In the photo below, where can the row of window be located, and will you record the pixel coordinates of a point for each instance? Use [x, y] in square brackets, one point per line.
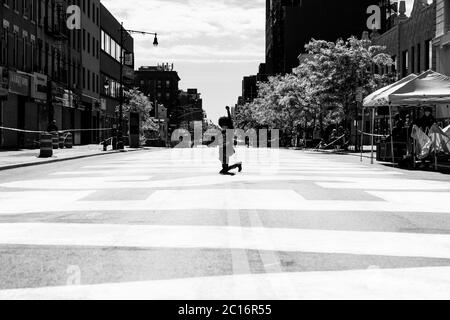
[27, 54]
[111, 87]
[91, 44]
[152, 83]
[23, 7]
[24, 52]
[28, 8]
[111, 47]
[92, 11]
[91, 80]
[412, 61]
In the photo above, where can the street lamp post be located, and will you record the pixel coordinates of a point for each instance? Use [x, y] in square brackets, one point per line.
[120, 143]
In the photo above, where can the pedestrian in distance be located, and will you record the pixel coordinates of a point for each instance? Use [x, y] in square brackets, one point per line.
[52, 127]
[226, 148]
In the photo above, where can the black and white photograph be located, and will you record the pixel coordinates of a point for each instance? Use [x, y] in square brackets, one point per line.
[210, 153]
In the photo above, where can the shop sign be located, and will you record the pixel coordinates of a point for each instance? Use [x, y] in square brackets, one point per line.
[103, 104]
[129, 59]
[39, 87]
[57, 94]
[19, 83]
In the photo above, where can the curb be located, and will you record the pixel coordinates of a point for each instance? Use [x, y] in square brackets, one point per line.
[32, 164]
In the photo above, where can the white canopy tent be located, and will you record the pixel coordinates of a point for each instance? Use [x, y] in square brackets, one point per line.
[429, 88]
[380, 98]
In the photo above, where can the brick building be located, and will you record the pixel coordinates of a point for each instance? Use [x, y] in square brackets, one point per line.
[410, 40]
[34, 56]
[442, 39]
[160, 83]
[48, 71]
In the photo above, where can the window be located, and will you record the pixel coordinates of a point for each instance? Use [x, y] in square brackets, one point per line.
[84, 78]
[405, 63]
[419, 57]
[88, 42]
[107, 43]
[84, 39]
[103, 39]
[88, 80]
[4, 47]
[429, 54]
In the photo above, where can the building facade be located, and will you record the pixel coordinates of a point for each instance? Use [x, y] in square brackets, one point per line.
[410, 40]
[442, 38]
[48, 72]
[160, 84]
[291, 24]
[92, 114]
[18, 62]
[111, 64]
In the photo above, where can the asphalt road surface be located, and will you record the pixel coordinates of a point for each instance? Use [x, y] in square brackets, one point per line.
[165, 225]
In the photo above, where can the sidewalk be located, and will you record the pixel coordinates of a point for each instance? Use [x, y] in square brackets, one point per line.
[26, 158]
[367, 153]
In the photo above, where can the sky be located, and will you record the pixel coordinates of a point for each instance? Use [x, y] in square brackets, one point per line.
[212, 43]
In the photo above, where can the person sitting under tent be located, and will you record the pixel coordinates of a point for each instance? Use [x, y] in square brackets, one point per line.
[425, 124]
[427, 121]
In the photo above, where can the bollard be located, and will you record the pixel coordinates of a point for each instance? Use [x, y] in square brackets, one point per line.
[61, 141]
[46, 146]
[69, 141]
[55, 140]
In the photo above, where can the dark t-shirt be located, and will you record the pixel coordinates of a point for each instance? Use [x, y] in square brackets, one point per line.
[52, 128]
[226, 149]
[425, 123]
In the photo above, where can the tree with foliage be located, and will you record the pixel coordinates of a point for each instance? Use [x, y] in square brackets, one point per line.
[335, 70]
[321, 91]
[136, 101]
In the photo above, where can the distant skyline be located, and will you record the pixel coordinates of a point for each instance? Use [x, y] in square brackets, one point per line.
[212, 44]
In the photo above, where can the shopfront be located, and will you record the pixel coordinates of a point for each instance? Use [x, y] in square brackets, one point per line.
[14, 110]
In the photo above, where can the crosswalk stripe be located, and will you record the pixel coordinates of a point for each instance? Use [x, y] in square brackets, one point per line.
[284, 240]
[327, 182]
[213, 199]
[388, 284]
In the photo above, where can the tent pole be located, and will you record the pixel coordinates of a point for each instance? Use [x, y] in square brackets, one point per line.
[392, 135]
[362, 133]
[435, 149]
[373, 132]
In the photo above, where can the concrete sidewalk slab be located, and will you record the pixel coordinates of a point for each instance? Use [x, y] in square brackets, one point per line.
[26, 158]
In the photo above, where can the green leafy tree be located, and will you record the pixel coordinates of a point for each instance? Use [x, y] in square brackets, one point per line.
[136, 101]
[335, 70]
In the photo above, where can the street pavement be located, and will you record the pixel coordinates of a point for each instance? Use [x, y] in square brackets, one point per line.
[164, 225]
